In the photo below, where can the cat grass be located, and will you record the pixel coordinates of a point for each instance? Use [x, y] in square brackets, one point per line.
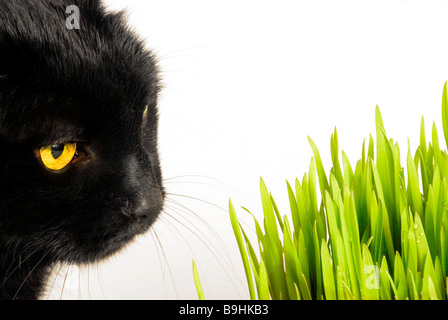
[376, 230]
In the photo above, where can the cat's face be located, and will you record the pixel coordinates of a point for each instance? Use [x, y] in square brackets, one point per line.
[79, 167]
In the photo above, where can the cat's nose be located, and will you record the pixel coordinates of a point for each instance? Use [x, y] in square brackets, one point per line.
[144, 207]
[148, 208]
[144, 196]
[142, 210]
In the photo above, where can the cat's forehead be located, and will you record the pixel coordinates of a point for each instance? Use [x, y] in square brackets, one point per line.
[57, 131]
[99, 75]
[54, 120]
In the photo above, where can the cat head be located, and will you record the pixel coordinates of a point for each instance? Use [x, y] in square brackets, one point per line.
[79, 167]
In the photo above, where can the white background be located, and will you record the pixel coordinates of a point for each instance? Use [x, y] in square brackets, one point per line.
[246, 82]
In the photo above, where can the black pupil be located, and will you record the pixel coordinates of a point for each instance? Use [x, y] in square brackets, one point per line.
[56, 150]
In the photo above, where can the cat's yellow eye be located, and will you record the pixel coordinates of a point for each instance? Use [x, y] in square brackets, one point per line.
[57, 156]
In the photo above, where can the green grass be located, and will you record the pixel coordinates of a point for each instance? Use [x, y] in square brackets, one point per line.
[372, 231]
[197, 282]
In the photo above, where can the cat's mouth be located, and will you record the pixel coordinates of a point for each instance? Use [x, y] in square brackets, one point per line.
[102, 238]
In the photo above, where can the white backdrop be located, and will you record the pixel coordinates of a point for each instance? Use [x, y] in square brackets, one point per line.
[246, 82]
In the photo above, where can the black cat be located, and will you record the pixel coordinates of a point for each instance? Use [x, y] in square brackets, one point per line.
[79, 166]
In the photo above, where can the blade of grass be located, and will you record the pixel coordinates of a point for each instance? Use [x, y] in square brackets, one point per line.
[385, 293]
[263, 286]
[400, 278]
[291, 273]
[323, 182]
[242, 247]
[445, 112]
[422, 244]
[318, 263]
[369, 283]
[293, 206]
[327, 272]
[413, 184]
[413, 292]
[334, 147]
[197, 282]
[270, 223]
[429, 290]
[312, 188]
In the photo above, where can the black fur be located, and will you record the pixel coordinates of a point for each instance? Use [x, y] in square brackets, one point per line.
[90, 86]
